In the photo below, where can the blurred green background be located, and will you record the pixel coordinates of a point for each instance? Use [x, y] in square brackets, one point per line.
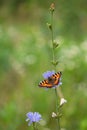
[25, 53]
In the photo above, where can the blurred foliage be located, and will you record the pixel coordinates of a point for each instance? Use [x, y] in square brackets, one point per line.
[71, 15]
[25, 53]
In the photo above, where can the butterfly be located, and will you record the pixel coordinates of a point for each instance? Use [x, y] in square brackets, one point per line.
[51, 81]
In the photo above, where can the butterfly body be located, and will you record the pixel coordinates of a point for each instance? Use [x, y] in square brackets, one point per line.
[51, 81]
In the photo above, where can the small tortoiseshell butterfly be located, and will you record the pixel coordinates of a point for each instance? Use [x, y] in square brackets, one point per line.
[51, 81]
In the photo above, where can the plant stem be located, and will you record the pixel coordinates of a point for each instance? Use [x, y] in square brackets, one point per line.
[34, 126]
[52, 35]
[57, 110]
[53, 51]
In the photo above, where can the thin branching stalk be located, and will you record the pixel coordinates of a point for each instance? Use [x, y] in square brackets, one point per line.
[54, 60]
[34, 126]
[52, 35]
[57, 109]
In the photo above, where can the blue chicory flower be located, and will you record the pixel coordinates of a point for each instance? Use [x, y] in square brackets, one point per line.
[33, 117]
[48, 74]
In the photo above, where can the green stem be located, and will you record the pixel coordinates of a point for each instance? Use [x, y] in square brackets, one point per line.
[53, 51]
[56, 100]
[52, 34]
[57, 110]
[34, 126]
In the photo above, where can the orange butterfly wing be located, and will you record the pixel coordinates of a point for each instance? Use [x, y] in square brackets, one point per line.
[51, 81]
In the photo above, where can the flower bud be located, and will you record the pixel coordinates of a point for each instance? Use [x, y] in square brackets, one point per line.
[54, 115]
[49, 26]
[55, 44]
[52, 7]
[55, 62]
[63, 101]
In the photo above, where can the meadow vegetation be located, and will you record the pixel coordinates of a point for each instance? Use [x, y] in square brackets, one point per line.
[25, 53]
